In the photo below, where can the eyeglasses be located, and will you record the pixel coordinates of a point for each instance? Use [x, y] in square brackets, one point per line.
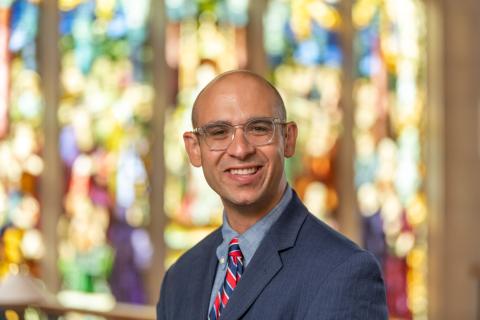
[258, 132]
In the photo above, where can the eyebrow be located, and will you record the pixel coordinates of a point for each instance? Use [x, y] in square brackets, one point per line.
[215, 122]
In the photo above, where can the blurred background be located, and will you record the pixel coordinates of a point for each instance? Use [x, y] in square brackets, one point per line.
[97, 198]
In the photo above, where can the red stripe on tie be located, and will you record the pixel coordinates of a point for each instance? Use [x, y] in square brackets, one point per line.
[225, 298]
[231, 279]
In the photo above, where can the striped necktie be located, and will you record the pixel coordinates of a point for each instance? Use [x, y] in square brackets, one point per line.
[233, 275]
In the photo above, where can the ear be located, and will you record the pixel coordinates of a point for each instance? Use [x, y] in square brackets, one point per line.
[291, 132]
[193, 148]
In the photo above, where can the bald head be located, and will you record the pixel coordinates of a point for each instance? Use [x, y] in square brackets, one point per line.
[243, 78]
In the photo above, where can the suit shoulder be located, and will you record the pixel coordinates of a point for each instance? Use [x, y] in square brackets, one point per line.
[312, 233]
[326, 241]
[319, 247]
[322, 230]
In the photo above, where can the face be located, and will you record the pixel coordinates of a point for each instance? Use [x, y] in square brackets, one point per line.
[248, 178]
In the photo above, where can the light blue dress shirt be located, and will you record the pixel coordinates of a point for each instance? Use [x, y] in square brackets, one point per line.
[248, 241]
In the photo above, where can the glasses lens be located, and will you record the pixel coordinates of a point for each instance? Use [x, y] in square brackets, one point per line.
[259, 131]
[218, 136]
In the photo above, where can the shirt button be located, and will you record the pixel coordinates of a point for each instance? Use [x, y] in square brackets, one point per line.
[222, 260]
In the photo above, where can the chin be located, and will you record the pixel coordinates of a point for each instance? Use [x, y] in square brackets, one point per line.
[241, 200]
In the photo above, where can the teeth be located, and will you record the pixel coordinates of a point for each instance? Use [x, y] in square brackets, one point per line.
[243, 171]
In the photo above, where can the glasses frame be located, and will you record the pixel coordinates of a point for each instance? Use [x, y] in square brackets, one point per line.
[201, 131]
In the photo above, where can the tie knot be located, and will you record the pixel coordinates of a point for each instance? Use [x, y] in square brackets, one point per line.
[234, 249]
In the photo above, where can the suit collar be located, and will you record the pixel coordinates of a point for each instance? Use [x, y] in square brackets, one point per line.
[266, 262]
[284, 233]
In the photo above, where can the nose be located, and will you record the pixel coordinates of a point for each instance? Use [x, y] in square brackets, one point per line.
[239, 147]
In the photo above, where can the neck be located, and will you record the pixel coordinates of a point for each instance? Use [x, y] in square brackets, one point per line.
[241, 223]
[243, 217]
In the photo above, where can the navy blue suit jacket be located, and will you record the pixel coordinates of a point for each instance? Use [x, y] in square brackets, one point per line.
[303, 269]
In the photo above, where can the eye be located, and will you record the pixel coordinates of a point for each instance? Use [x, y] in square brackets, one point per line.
[217, 131]
[260, 127]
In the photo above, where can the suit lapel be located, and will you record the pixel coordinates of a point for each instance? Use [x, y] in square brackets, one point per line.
[266, 262]
[256, 276]
[204, 274]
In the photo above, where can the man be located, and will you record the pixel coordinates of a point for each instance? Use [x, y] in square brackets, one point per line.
[271, 259]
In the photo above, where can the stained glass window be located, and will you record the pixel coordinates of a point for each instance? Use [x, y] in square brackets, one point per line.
[302, 41]
[105, 115]
[389, 136]
[204, 38]
[21, 138]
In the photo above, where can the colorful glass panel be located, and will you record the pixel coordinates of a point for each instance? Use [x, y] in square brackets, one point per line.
[204, 38]
[105, 115]
[302, 41]
[389, 94]
[21, 138]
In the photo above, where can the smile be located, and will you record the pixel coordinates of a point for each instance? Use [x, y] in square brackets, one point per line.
[244, 171]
